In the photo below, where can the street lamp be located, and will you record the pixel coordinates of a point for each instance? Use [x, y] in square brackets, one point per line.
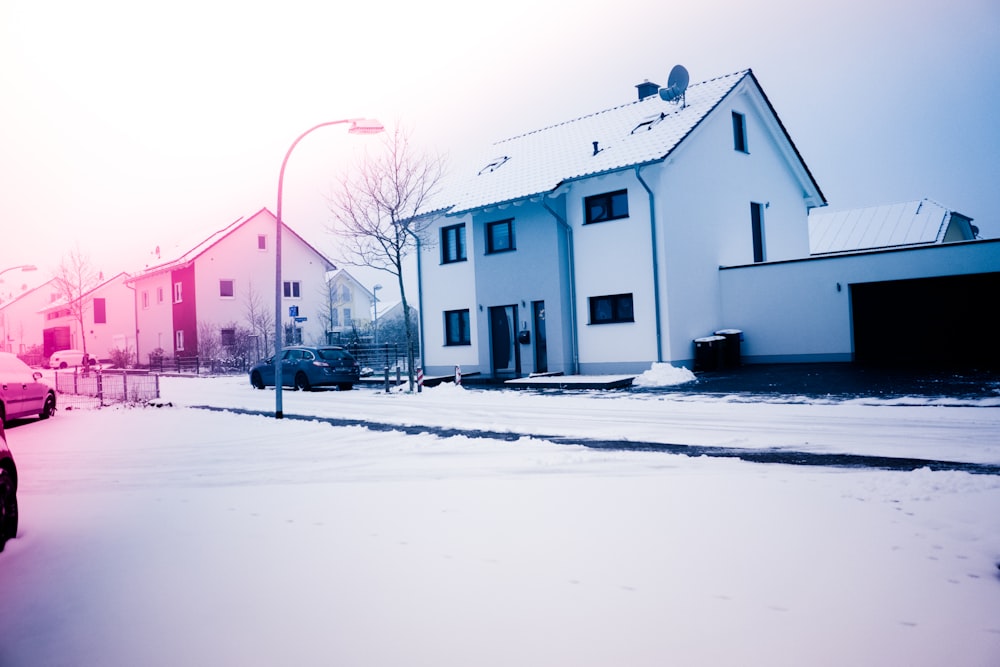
[23, 267]
[375, 306]
[358, 126]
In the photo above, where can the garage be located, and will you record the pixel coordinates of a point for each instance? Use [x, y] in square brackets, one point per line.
[942, 322]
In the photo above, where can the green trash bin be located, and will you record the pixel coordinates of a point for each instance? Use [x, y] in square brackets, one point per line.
[708, 353]
[731, 356]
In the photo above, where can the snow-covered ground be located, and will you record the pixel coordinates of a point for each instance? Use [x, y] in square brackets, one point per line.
[185, 536]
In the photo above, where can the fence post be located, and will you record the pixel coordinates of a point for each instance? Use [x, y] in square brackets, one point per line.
[100, 389]
[398, 380]
[125, 385]
[157, 385]
[386, 379]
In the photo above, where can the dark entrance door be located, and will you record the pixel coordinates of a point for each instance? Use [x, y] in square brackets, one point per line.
[503, 341]
[541, 350]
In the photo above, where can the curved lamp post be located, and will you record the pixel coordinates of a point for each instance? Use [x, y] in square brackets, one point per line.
[358, 126]
[375, 290]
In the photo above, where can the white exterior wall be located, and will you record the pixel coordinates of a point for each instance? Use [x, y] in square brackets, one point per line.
[703, 197]
[156, 319]
[118, 330]
[792, 311]
[613, 257]
[448, 287]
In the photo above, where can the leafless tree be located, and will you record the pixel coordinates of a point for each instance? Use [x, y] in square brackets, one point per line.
[74, 278]
[259, 318]
[381, 211]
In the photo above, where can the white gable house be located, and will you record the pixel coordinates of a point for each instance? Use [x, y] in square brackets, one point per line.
[594, 246]
[225, 285]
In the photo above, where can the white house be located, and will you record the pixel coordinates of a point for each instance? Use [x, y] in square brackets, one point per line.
[21, 322]
[349, 307]
[227, 282]
[594, 245]
[108, 321]
[614, 240]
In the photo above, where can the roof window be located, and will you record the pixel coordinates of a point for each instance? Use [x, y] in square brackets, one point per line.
[648, 123]
[495, 164]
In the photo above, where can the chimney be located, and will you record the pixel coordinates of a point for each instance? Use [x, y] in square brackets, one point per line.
[647, 89]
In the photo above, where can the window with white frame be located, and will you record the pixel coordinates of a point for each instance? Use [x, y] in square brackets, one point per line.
[179, 340]
[178, 292]
[292, 289]
[227, 288]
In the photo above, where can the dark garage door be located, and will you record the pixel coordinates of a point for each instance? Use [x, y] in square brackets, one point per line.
[929, 322]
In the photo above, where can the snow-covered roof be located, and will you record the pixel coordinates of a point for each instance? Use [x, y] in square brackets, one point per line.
[214, 238]
[637, 133]
[921, 222]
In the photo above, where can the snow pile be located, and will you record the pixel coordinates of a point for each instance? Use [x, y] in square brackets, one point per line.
[663, 375]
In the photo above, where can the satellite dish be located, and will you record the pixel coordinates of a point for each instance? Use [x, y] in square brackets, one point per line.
[676, 85]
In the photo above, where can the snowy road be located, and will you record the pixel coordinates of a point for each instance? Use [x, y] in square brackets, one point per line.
[937, 431]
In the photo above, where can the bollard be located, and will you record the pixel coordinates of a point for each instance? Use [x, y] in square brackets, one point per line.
[458, 375]
[398, 380]
[386, 371]
[420, 379]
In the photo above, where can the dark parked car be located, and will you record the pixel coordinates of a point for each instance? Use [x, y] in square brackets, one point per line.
[8, 492]
[308, 367]
[22, 394]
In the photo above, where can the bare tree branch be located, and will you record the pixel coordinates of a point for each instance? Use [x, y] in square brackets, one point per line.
[380, 210]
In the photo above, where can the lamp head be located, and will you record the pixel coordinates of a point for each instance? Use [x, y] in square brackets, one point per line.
[366, 126]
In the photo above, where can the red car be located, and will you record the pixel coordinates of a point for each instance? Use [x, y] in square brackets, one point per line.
[8, 492]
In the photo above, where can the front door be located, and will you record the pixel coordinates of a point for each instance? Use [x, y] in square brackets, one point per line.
[541, 350]
[503, 342]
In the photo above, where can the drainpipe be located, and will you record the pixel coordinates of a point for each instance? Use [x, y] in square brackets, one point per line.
[571, 271]
[420, 305]
[656, 265]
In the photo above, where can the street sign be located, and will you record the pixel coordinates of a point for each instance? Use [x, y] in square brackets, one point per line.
[301, 319]
[293, 311]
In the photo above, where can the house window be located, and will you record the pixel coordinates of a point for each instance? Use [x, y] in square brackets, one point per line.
[609, 206]
[159, 295]
[347, 317]
[261, 242]
[740, 132]
[456, 328]
[228, 337]
[100, 311]
[292, 289]
[179, 340]
[145, 299]
[177, 293]
[757, 228]
[453, 244]
[499, 236]
[227, 289]
[334, 318]
[611, 308]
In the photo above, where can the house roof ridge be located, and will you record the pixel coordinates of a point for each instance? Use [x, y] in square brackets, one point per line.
[738, 73]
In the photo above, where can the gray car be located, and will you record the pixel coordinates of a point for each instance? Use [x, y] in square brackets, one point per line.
[308, 367]
[22, 393]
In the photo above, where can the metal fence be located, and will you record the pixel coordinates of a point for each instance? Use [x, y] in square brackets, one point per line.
[378, 357]
[109, 386]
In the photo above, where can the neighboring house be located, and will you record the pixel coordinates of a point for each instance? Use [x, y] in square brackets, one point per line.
[226, 284]
[349, 307]
[611, 241]
[594, 245]
[21, 324]
[922, 222]
[108, 312]
[391, 327]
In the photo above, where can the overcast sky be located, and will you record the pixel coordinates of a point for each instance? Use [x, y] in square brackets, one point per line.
[128, 125]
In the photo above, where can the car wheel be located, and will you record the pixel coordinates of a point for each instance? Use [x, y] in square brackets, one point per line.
[301, 381]
[256, 380]
[49, 408]
[8, 508]
[63, 365]
[345, 386]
